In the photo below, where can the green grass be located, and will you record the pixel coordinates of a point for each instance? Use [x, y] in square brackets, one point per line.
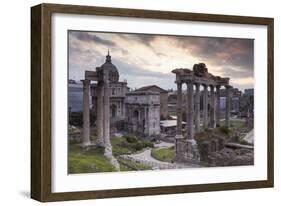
[118, 146]
[129, 144]
[87, 161]
[164, 154]
[94, 161]
[239, 123]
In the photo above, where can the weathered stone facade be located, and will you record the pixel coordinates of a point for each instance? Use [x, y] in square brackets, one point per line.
[142, 111]
[163, 98]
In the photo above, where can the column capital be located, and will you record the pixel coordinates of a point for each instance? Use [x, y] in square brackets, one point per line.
[205, 85]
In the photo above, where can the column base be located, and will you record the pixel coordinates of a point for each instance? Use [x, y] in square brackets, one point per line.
[87, 146]
[100, 143]
[187, 151]
[178, 136]
[108, 154]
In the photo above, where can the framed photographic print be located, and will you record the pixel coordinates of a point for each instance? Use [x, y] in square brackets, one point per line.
[130, 102]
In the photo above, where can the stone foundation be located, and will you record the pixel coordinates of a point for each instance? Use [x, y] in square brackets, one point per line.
[186, 151]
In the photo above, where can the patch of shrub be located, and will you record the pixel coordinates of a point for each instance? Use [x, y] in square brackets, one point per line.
[131, 138]
[207, 130]
[148, 144]
[138, 145]
[224, 130]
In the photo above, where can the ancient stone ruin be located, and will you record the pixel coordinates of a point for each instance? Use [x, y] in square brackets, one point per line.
[185, 144]
[103, 77]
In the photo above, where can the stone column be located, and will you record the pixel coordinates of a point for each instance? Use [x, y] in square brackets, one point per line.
[106, 122]
[197, 108]
[106, 117]
[179, 111]
[189, 111]
[86, 113]
[205, 107]
[192, 153]
[100, 106]
[227, 107]
[212, 108]
[218, 106]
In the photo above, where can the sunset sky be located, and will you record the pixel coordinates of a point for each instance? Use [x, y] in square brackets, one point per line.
[149, 59]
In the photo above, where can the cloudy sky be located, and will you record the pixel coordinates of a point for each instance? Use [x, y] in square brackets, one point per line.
[144, 59]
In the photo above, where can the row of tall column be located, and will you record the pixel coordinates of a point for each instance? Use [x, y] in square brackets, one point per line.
[103, 127]
[195, 119]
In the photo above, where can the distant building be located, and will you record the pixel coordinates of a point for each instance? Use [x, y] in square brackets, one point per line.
[247, 103]
[235, 95]
[142, 112]
[163, 98]
[249, 92]
[75, 96]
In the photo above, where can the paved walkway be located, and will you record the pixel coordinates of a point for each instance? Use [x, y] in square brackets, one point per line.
[145, 158]
[163, 145]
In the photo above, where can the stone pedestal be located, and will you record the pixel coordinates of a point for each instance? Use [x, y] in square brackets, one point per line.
[187, 151]
[192, 151]
[180, 148]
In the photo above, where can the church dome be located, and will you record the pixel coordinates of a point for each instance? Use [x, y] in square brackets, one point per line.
[111, 68]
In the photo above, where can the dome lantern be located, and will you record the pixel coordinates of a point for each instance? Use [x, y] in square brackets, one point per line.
[111, 68]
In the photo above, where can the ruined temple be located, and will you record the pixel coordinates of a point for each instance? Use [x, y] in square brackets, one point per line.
[186, 146]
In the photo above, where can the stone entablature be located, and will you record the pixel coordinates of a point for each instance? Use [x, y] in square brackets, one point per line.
[199, 75]
[143, 98]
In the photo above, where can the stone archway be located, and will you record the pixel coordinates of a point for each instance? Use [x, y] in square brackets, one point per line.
[135, 120]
